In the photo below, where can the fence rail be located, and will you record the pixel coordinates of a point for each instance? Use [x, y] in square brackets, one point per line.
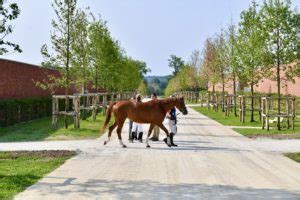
[81, 103]
[266, 106]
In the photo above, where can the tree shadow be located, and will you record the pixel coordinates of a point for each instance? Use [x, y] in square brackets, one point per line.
[120, 189]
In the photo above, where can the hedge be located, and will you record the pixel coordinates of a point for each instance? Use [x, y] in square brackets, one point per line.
[22, 110]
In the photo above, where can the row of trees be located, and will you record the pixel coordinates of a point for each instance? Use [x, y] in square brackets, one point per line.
[185, 74]
[263, 44]
[85, 53]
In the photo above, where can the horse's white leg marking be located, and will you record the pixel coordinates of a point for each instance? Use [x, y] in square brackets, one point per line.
[108, 139]
[147, 140]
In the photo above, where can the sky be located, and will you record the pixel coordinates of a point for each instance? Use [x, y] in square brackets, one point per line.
[148, 30]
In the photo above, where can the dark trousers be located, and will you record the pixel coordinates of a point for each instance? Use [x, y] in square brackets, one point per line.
[130, 127]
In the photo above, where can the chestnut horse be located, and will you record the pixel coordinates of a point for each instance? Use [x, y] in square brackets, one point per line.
[151, 112]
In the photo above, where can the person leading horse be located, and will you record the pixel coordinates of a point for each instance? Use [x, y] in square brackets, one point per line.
[152, 112]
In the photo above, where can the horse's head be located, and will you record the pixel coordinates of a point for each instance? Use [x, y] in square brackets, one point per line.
[180, 105]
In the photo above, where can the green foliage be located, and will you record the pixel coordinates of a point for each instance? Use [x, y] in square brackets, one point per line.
[280, 26]
[209, 72]
[21, 110]
[86, 54]
[19, 170]
[8, 12]
[143, 89]
[111, 69]
[157, 84]
[185, 79]
[81, 59]
[250, 44]
[62, 37]
[176, 63]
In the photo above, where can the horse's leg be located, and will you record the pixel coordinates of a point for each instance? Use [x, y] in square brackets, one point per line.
[119, 131]
[110, 130]
[167, 133]
[149, 133]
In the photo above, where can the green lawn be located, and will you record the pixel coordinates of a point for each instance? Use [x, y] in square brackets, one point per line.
[234, 121]
[18, 170]
[228, 121]
[294, 156]
[41, 129]
[249, 132]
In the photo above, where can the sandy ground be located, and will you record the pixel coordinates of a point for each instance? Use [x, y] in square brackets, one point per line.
[211, 162]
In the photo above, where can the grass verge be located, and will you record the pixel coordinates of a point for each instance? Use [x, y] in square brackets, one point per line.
[285, 133]
[41, 129]
[18, 170]
[220, 117]
[228, 121]
[293, 156]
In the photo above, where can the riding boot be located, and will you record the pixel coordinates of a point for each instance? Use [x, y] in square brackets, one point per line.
[166, 141]
[130, 136]
[172, 137]
[141, 137]
[133, 136]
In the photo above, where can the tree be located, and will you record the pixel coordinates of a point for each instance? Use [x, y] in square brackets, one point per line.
[107, 57]
[209, 72]
[143, 89]
[281, 29]
[250, 48]
[173, 86]
[8, 12]
[176, 63]
[111, 69]
[98, 34]
[195, 59]
[81, 58]
[142, 67]
[233, 60]
[222, 62]
[62, 39]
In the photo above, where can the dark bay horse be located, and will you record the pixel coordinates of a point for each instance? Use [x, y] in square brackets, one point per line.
[151, 112]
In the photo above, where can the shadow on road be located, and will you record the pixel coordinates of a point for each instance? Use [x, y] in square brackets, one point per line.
[119, 189]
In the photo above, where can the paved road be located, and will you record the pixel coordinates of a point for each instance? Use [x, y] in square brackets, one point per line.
[211, 162]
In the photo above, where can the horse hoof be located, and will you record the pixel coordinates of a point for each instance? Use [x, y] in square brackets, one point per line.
[148, 146]
[124, 146]
[105, 143]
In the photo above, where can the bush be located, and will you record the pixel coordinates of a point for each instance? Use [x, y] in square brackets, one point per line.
[22, 110]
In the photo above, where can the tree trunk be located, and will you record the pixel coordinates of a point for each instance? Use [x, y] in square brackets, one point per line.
[252, 106]
[234, 94]
[278, 94]
[278, 81]
[223, 93]
[67, 66]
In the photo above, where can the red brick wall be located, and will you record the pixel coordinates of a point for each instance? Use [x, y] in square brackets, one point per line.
[18, 80]
[267, 86]
[287, 87]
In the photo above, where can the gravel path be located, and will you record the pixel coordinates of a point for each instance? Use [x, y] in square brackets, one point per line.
[211, 162]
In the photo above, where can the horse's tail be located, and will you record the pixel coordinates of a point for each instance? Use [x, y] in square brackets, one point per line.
[108, 115]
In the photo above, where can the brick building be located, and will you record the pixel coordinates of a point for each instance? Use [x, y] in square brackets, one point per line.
[18, 80]
[264, 86]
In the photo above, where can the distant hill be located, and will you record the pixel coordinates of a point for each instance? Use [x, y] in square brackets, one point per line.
[157, 84]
